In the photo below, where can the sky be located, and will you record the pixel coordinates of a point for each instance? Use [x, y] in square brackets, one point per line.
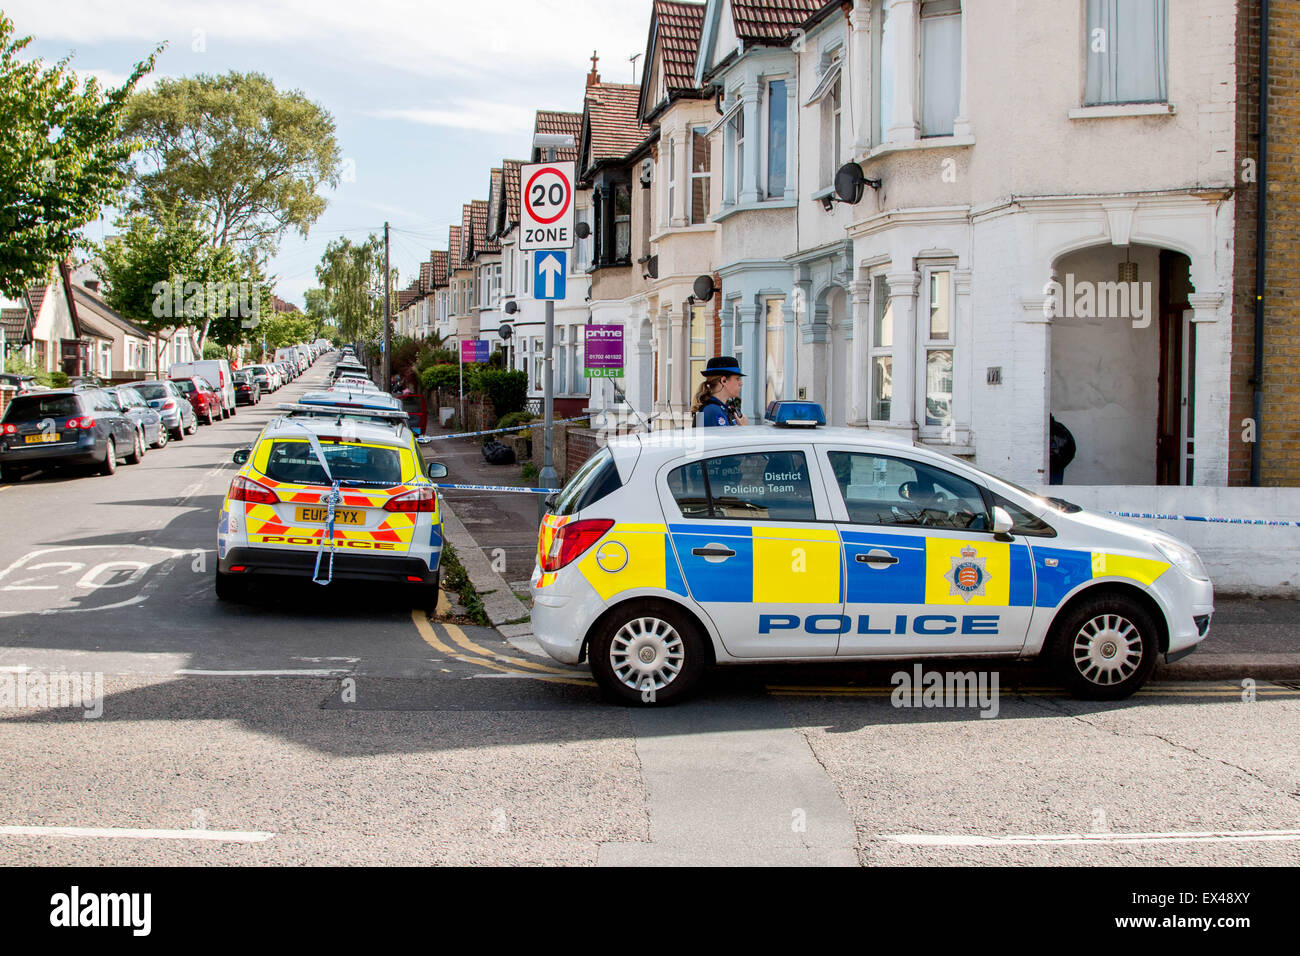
[427, 97]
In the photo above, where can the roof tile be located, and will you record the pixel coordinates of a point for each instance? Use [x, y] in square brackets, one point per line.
[759, 20]
[561, 124]
[611, 116]
[679, 26]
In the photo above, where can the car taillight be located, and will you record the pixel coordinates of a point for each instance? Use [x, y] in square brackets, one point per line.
[11, 429]
[245, 489]
[571, 540]
[421, 499]
[168, 405]
[75, 423]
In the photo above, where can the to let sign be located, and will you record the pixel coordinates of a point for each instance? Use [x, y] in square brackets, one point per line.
[474, 350]
[602, 349]
[547, 206]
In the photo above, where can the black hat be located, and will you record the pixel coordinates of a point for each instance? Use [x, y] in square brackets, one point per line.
[722, 365]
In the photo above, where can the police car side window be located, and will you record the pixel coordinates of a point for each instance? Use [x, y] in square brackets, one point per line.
[879, 489]
[755, 486]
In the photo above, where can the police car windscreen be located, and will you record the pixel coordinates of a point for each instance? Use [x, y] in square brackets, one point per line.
[294, 462]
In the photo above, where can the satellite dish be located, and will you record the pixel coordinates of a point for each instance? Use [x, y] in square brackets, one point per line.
[704, 288]
[512, 307]
[504, 330]
[849, 182]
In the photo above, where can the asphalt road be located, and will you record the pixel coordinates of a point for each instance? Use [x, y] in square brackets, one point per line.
[336, 725]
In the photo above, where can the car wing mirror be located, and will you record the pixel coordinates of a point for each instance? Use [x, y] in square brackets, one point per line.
[240, 457]
[436, 469]
[1001, 522]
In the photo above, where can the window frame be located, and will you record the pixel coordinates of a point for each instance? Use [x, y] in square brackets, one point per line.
[938, 9]
[840, 504]
[927, 343]
[765, 143]
[877, 350]
[820, 509]
[704, 177]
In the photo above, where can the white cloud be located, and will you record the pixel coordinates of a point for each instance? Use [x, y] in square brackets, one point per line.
[469, 114]
[439, 38]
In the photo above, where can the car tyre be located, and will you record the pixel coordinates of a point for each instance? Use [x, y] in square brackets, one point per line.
[110, 458]
[209, 415]
[231, 587]
[426, 595]
[137, 449]
[647, 653]
[193, 426]
[1104, 648]
[164, 436]
[179, 433]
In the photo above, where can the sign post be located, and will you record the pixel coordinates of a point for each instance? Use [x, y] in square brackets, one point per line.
[547, 226]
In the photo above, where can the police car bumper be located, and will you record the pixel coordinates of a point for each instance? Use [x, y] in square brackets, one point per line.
[558, 619]
[1190, 605]
[347, 566]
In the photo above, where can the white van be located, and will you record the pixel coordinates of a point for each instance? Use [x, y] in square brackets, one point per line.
[217, 373]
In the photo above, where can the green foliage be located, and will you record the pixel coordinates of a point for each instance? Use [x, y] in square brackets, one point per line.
[161, 274]
[528, 472]
[497, 359]
[443, 376]
[61, 157]
[352, 280]
[511, 419]
[245, 158]
[212, 350]
[508, 390]
[58, 379]
[15, 364]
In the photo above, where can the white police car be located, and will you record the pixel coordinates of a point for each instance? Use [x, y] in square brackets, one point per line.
[668, 552]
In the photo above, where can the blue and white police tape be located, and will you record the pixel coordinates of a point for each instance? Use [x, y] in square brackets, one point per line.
[425, 439]
[535, 491]
[1151, 516]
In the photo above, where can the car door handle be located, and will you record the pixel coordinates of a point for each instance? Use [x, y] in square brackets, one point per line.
[876, 557]
[714, 552]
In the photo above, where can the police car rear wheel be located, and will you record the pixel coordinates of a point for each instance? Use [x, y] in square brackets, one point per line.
[1106, 648]
[231, 587]
[647, 655]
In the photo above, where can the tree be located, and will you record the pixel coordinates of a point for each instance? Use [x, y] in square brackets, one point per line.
[164, 276]
[244, 157]
[61, 157]
[352, 276]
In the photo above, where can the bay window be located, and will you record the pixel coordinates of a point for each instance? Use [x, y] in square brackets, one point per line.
[776, 138]
[700, 160]
[881, 349]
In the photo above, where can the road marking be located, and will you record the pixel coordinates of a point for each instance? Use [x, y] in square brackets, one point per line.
[1084, 839]
[1227, 692]
[125, 833]
[460, 637]
[286, 672]
[494, 662]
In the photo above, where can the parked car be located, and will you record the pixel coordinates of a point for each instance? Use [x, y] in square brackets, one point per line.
[218, 375]
[66, 426]
[176, 411]
[23, 383]
[664, 555]
[202, 396]
[264, 376]
[247, 391]
[148, 419]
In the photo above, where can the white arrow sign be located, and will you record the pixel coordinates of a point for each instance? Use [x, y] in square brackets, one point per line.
[550, 267]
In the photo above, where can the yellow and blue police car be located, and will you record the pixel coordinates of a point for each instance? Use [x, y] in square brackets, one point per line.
[669, 552]
[332, 498]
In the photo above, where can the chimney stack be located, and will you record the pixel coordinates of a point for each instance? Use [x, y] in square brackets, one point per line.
[593, 78]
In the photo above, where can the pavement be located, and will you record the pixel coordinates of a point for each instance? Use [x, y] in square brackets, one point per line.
[495, 534]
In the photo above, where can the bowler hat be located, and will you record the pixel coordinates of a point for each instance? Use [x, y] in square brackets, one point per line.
[722, 365]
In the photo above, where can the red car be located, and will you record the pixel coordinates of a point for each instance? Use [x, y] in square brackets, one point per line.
[204, 398]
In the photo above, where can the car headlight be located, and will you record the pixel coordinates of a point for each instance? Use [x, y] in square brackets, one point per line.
[1183, 558]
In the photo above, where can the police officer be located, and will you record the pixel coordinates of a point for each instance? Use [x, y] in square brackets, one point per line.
[721, 385]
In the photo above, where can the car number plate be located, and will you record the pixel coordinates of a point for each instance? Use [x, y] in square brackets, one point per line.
[341, 516]
[43, 437]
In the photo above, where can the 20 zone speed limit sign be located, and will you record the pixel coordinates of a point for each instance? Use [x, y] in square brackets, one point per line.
[546, 194]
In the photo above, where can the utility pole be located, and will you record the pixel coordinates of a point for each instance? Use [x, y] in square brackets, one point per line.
[387, 345]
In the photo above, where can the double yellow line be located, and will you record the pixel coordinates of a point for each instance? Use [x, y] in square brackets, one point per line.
[458, 646]
[1210, 691]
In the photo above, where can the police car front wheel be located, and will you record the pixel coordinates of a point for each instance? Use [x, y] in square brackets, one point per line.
[1105, 648]
[647, 654]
